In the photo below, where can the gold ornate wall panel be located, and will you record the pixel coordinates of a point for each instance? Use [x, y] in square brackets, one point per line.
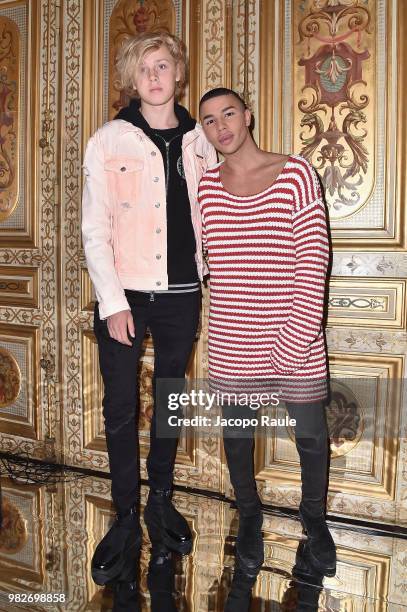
[336, 88]
[367, 569]
[371, 302]
[332, 80]
[29, 422]
[20, 384]
[30, 544]
[19, 33]
[364, 421]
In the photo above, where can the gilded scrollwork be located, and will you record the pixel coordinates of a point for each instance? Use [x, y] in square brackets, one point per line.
[335, 41]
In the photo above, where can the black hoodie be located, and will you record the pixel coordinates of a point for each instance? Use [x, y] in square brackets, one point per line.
[181, 246]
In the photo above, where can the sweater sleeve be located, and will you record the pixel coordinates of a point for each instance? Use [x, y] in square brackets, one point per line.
[293, 345]
[204, 241]
[97, 233]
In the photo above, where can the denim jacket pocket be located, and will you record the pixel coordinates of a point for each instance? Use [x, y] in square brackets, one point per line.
[123, 176]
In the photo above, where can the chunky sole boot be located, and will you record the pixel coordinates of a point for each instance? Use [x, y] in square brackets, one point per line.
[167, 528]
[321, 547]
[118, 550]
[250, 545]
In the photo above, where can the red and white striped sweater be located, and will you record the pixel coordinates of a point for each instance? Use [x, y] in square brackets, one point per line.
[268, 256]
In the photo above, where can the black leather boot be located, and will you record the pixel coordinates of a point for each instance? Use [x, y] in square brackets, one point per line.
[117, 553]
[249, 544]
[167, 528]
[313, 458]
[322, 552]
[240, 594]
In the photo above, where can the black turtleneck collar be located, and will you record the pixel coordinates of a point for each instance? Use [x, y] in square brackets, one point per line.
[132, 114]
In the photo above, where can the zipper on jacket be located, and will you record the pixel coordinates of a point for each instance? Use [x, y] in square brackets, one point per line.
[151, 296]
[167, 157]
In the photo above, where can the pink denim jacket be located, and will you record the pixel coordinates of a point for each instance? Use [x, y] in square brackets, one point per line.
[124, 221]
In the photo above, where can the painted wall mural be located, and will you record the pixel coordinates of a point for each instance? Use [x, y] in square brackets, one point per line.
[9, 112]
[335, 95]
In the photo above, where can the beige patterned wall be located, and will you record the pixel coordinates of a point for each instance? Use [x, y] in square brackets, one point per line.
[29, 228]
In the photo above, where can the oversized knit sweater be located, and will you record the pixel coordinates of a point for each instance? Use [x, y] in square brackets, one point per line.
[268, 255]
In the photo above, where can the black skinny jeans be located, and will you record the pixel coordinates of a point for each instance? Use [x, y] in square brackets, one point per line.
[311, 438]
[173, 322]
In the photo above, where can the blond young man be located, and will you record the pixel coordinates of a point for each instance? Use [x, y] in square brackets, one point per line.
[142, 240]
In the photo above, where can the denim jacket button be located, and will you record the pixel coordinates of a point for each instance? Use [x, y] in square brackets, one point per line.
[123, 169]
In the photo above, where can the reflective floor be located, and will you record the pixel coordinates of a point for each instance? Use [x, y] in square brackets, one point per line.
[50, 531]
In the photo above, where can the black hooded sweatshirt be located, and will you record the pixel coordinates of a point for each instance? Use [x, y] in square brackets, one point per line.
[181, 246]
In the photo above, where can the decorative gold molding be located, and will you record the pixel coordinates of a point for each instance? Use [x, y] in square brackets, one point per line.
[19, 286]
[267, 92]
[401, 137]
[29, 427]
[15, 571]
[92, 395]
[367, 302]
[228, 44]
[28, 236]
[195, 55]
[370, 570]
[87, 292]
[92, 68]
[385, 374]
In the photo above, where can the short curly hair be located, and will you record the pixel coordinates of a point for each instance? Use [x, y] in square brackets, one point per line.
[133, 50]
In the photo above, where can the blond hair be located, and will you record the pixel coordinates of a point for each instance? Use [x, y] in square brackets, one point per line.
[133, 50]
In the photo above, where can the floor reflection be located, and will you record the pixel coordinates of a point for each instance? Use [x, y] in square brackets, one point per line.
[50, 531]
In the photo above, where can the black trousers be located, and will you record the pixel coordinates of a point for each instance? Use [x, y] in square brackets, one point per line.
[311, 438]
[173, 322]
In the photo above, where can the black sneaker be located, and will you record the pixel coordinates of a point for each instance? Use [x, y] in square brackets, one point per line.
[118, 550]
[167, 528]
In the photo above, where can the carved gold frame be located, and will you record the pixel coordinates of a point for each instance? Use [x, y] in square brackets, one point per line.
[13, 571]
[28, 236]
[14, 424]
[289, 474]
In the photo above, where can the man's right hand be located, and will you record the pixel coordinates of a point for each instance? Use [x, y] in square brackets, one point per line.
[118, 324]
